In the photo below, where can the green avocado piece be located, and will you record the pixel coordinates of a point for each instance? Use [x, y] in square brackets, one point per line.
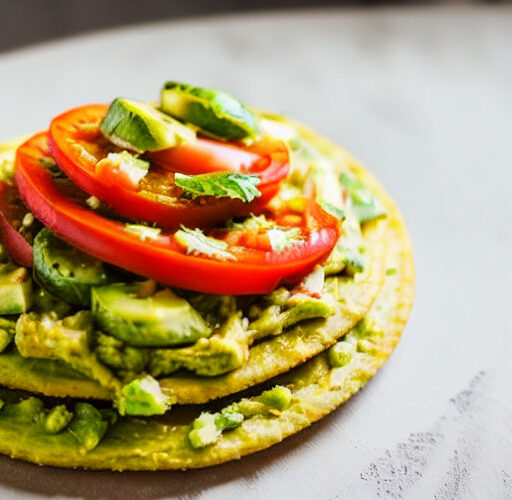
[365, 205]
[143, 397]
[45, 302]
[221, 353]
[121, 357]
[159, 320]
[57, 420]
[64, 271]
[215, 112]
[87, 426]
[275, 319]
[229, 418]
[15, 289]
[208, 427]
[279, 398]
[140, 127]
[69, 340]
[204, 431]
[7, 330]
[340, 353]
[26, 411]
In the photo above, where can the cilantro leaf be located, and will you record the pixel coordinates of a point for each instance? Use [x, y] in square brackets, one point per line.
[230, 185]
[196, 240]
[143, 232]
[332, 209]
[283, 238]
[364, 205]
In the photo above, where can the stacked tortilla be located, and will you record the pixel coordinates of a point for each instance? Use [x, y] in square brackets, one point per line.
[320, 362]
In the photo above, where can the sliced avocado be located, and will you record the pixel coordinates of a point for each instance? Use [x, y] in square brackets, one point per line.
[88, 426]
[45, 302]
[7, 329]
[27, 411]
[340, 353]
[162, 319]
[275, 318]
[204, 431]
[208, 427]
[221, 353]
[48, 337]
[123, 358]
[57, 419]
[15, 289]
[279, 398]
[213, 111]
[143, 397]
[64, 271]
[140, 127]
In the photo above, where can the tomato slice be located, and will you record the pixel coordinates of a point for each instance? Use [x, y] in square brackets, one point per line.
[251, 271]
[11, 210]
[267, 158]
[77, 146]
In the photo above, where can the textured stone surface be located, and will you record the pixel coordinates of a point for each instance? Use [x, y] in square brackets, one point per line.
[423, 97]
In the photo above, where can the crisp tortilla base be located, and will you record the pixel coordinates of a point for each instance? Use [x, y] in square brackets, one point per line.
[267, 359]
[135, 444]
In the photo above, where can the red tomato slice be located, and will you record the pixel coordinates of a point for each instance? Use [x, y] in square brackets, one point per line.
[16, 245]
[253, 270]
[77, 145]
[267, 158]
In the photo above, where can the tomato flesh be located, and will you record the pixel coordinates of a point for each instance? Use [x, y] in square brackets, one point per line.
[16, 245]
[253, 271]
[77, 146]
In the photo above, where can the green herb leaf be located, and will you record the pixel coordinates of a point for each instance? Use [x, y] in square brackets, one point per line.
[230, 185]
[253, 222]
[194, 240]
[283, 238]
[332, 209]
[364, 205]
[131, 165]
[143, 232]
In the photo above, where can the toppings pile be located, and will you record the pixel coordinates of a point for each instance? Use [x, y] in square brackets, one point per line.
[174, 252]
[153, 189]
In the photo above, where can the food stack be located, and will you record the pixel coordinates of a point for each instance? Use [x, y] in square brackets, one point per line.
[186, 282]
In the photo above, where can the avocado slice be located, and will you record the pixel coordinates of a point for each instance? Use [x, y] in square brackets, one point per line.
[159, 320]
[15, 289]
[144, 397]
[215, 112]
[140, 127]
[221, 353]
[45, 336]
[57, 419]
[276, 318]
[64, 271]
[7, 329]
[88, 426]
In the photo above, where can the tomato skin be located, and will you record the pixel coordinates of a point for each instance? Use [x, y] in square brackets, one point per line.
[16, 245]
[169, 212]
[253, 272]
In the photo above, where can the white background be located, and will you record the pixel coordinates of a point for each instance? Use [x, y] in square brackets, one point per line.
[423, 97]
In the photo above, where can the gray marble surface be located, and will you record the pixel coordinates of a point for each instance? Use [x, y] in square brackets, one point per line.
[424, 98]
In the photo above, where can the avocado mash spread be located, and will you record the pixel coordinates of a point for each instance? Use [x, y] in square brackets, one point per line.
[304, 276]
